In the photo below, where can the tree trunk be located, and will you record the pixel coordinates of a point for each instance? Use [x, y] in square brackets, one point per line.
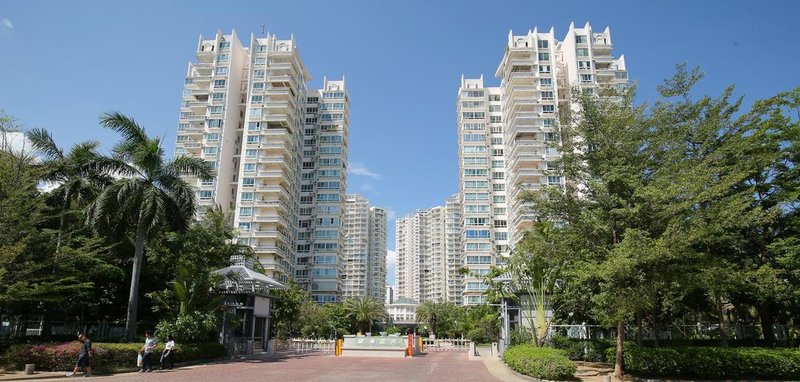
[61, 228]
[640, 329]
[619, 364]
[656, 328]
[767, 316]
[133, 297]
[723, 334]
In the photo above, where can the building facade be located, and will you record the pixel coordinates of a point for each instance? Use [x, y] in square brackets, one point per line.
[364, 249]
[423, 268]
[378, 225]
[537, 74]
[279, 151]
[484, 229]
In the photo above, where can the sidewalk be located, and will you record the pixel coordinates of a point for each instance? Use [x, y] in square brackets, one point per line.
[21, 376]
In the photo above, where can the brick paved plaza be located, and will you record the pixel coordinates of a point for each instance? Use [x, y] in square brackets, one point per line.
[442, 367]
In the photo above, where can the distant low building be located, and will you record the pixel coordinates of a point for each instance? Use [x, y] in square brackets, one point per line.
[403, 312]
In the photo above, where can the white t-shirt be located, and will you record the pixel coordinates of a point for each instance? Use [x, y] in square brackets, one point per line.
[169, 345]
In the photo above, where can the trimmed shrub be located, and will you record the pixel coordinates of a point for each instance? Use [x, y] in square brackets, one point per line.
[584, 350]
[711, 362]
[537, 362]
[106, 356]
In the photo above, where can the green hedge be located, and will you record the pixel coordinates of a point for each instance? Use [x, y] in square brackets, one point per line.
[711, 362]
[543, 363]
[584, 350]
[106, 356]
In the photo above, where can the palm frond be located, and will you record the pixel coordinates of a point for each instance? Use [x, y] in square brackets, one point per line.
[133, 135]
[43, 142]
[184, 165]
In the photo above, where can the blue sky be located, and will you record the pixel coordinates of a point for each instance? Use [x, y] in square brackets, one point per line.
[62, 63]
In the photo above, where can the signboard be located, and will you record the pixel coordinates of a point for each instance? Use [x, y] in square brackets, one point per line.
[374, 343]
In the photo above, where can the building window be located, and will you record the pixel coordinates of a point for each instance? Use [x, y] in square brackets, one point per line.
[582, 52]
[546, 82]
[244, 227]
[215, 109]
[223, 58]
[547, 96]
[544, 56]
[543, 44]
[246, 211]
[212, 137]
[205, 195]
[247, 196]
[222, 70]
[256, 99]
[253, 139]
[553, 180]
[217, 96]
[586, 78]
[250, 153]
[580, 39]
[548, 109]
[248, 182]
[250, 167]
[544, 68]
[218, 84]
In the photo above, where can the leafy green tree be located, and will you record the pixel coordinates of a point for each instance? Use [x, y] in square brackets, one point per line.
[534, 269]
[364, 311]
[152, 195]
[439, 316]
[286, 310]
[78, 175]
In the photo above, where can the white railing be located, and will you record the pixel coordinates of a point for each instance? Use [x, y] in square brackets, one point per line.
[445, 344]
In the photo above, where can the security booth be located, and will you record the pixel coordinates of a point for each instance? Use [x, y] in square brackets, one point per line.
[247, 298]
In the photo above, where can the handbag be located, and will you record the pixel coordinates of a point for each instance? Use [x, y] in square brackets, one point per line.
[139, 360]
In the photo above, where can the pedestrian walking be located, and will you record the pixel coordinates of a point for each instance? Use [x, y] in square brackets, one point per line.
[150, 343]
[83, 357]
[167, 359]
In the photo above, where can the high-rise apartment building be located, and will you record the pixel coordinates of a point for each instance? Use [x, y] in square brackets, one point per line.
[364, 249]
[537, 74]
[356, 248]
[378, 225]
[484, 230]
[422, 250]
[280, 151]
[453, 224]
[508, 137]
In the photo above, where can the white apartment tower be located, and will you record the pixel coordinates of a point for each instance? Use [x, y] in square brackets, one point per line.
[364, 249]
[481, 154]
[323, 177]
[453, 224]
[211, 117]
[280, 152]
[357, 246]
[422, 263]
[376, 282]
[536, 75]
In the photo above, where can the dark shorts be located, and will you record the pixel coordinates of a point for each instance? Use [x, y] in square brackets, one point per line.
[83, 361]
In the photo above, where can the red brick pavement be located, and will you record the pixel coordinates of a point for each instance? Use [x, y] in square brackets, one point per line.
[439, 366]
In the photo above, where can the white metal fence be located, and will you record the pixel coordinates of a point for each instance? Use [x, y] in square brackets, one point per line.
[445, 344]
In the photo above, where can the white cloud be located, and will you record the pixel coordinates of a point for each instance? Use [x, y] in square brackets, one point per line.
[366, 187]
[391, 266]
[390, 214]
[361, 169]
[6, 24]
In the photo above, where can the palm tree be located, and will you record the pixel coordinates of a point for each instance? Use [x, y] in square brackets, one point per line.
[364, 310]
[151, 196]
[434, 314]
[80, 175]
[194, 290]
